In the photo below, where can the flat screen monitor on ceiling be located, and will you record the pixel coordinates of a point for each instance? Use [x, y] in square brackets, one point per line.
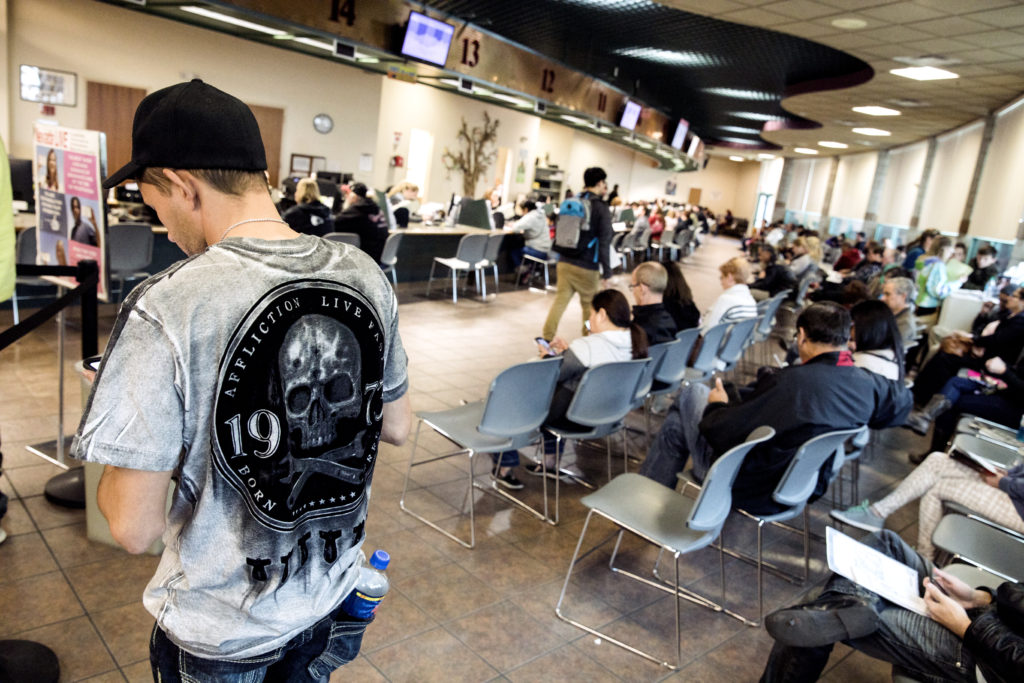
[630, 115]
[427, 39]
[694, 144]
[680, 136]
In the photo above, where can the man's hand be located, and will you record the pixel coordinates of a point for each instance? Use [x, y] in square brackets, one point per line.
[993, 478]
[558, 345]
[945, 609]
[958, 590]
[718, 394]
[995, 365]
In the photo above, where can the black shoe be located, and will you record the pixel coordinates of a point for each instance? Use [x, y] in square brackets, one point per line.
[823, 622]
[507, 480]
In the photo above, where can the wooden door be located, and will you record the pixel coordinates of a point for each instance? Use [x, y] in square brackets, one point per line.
[111, 109]
[271, 122]
[694, 197]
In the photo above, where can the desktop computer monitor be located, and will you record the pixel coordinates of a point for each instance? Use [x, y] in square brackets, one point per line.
[332, 176]
[475, 213]
[21, 182]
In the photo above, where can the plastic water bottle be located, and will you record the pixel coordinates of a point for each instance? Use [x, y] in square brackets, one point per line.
[371, 587]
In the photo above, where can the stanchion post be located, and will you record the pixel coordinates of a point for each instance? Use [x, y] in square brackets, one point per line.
[90, 332]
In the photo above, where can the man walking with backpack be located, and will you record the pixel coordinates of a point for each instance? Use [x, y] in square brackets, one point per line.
[583, 237]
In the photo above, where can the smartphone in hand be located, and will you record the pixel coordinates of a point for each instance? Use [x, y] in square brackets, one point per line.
[543, 343]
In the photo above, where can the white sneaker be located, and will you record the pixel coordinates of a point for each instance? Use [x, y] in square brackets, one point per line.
[3, 535]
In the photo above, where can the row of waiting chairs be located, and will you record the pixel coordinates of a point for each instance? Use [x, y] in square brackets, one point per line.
[388, 256]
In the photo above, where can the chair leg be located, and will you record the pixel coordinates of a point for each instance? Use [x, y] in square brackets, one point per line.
[14, 304]
[430, 279]
[394, 276]
[405, 489]
[455, 286]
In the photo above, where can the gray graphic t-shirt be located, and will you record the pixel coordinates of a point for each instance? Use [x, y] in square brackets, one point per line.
[257, 372]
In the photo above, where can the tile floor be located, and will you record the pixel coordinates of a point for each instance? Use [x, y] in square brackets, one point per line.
[452, 614]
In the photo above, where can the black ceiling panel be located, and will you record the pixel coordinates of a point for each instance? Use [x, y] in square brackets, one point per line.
[683, 64]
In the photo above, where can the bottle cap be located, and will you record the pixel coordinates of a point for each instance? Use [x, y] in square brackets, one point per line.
[380, 560]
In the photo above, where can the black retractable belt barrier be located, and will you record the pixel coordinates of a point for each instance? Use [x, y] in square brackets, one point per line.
[87, 274]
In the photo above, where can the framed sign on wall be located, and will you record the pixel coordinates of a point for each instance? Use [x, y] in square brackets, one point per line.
[48, 86]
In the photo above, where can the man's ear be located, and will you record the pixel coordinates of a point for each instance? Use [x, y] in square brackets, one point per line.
[184, 182]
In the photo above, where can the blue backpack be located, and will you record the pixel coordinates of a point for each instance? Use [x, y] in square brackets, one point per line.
[573, 236]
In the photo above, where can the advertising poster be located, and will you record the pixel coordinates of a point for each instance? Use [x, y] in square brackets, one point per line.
[69, 206]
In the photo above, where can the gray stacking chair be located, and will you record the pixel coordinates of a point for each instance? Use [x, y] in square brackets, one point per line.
[468, 256]
[676, 523]
[597, 410]
[766, 323]
[981, 543]
[731, 350]
[25, 252]
[793, 490]
[545, 263]
[669, 372]
[130, 247]
[345, 238]
[860, 443]
[510, 418]
[703, 366]
[389, 256]
[665, 241]
[491, 259]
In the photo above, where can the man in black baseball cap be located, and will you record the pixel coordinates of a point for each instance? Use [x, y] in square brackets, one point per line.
[260, 375]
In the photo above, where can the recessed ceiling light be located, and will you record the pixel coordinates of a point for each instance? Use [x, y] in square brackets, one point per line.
[736, 158]
[738, 129]
[923, 73]
[742, 141]
[672, 57]
[805, 150]
[871, 131]
[739, 94]
[234, 21]
[906, 102]
[574, 119]
[849, 23]
[874, 110]
[754, 116]
[517, 101]
[765, 157]
[833, 144]
[656, 135]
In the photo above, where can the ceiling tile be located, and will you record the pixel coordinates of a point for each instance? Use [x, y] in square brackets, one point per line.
[981, 56]
[801, 9]
[1016, 50]
[896, 34]
[1006, 17]
[850, 41]
[806, 29]
[951, 27]
[963, 7]
[935, 46]
[999, 39]
[755, 17]
[1008, 80]
[902, 13]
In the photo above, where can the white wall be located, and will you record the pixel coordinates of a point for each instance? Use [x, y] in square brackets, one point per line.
[5, 70]
[956, 154]
[999, 204]
[902, 181]
[853, 185]
[104, 43]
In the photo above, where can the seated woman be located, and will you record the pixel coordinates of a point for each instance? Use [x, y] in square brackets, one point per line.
[735, 302]
[362, 216]
[678, 298]
[309, 216]
[875, 340]
[775, 277]
[940, 478]
[806, 257]
[613, 337]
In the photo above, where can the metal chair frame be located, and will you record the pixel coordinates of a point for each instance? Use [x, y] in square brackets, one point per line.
[632, 499]
[495, 434]
[534, 262]
[468, 256]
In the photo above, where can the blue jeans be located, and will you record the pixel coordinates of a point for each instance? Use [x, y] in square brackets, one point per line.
[511, 458]
[310, 656]
[517, 255]
[680, 439]
[914, 642]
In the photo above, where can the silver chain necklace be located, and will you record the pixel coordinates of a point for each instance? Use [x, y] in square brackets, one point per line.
[251, 220]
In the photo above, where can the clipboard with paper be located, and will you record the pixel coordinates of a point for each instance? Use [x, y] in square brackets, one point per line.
[879, 573]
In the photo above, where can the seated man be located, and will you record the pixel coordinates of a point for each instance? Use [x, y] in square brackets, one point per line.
[964, 628]
[824, 393]
[533, 224]
[985, 268]
[649, 281]
[897, 293]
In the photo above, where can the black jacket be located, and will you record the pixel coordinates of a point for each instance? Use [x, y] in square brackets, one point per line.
[686, 315]
[825, 394]
[656, 321]
[1006, 342]
[776, 278]
[996, 636]
[365, 219]
[312, 218]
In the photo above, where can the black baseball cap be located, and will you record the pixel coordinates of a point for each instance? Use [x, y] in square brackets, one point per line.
[192, 125]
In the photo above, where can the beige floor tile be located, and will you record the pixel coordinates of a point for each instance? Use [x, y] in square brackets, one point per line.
[36, 601]
[78, 648]
[23, 556]
[432, 656]
[112, 583]
[126, 631]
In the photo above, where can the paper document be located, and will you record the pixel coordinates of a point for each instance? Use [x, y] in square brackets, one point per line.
[879, 573]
